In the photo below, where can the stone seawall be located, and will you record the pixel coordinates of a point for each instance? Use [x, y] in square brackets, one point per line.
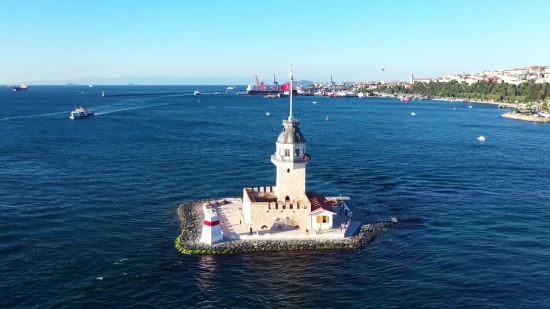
[191, 221]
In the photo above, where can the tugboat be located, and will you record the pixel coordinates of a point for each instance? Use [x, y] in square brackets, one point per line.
[81, 113]
[20, 88]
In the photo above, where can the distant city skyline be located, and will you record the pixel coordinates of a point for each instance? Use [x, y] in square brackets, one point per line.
[57, 42]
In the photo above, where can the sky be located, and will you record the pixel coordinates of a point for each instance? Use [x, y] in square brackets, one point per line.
[66, 40]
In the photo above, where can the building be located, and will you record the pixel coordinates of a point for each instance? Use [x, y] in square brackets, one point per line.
[287, 205]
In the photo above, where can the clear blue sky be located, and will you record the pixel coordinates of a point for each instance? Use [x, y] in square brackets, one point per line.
[353, 40]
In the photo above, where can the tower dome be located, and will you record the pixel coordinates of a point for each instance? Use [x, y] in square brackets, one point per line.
[291, 133]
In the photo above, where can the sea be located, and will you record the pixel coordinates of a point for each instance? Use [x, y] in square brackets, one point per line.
[88, 206]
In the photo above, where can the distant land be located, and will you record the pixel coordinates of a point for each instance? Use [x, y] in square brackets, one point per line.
[157, 80]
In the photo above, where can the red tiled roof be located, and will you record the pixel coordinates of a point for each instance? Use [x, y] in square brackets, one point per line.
[320, 202]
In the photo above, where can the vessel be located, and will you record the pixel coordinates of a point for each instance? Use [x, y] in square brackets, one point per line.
[197, 92]
[81, 112]
[262, 89]
[20, 88]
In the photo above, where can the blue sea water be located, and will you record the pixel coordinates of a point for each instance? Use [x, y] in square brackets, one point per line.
[88, 207]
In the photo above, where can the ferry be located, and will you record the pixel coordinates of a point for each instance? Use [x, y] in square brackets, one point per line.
[20, 88]
[197, 92]
[81, 113]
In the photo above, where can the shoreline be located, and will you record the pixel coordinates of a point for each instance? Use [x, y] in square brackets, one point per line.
[512, 105]
[191, 222]
[518, 116]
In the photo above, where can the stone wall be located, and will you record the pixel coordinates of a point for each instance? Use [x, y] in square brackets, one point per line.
[266, 214]
[191, 217]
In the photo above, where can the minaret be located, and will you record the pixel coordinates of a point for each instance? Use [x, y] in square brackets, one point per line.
[412, 79]
[290, 158]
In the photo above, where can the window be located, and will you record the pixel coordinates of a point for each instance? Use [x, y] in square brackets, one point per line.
[322, 219]
[288, 170]
[290, 206]
[287, 199]
[287, 152]
[296, 152]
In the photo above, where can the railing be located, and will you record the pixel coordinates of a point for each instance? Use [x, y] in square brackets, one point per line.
[290, 159]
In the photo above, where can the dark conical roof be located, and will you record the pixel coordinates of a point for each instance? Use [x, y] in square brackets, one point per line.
[291, 133]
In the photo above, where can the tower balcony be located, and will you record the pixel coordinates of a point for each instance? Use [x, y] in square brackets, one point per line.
[278, 158]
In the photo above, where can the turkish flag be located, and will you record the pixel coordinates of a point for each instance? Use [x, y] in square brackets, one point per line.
[285, 87]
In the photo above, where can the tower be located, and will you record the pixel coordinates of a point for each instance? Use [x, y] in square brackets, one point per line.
[412, 79]
[211, 231]
[290, 158]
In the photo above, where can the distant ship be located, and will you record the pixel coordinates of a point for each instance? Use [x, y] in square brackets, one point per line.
[229, 89]
[197, 92]
[262, 89]
[81, 113]
[20, 88]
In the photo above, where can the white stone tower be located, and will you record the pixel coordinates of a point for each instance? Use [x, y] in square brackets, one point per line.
[412, 79]
[290, 158]
[211, 231]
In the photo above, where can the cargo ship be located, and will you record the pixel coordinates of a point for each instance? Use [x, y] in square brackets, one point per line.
[20, 88]
[262, 89]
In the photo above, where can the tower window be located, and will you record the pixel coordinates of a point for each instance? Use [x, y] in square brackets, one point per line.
[288, 170]
[287, 199]
[287, 152]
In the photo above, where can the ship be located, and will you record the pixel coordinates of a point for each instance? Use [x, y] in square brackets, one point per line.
[275, 89]
[20, 88]
[81, 113]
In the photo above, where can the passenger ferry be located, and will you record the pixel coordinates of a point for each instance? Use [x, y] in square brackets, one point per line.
[81, 113]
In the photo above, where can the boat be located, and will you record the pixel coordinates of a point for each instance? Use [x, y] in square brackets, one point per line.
[272, 96]
[229, 89]
[481, 138]
[326, 119]
[262, 89]
[20, 88]
[405, 100]
[215, 93]
[413, 114]
[470, 106]
[90, 86]
[314, 102]
[197, 92]
[454, 109]
[267, 114]
[81, 112]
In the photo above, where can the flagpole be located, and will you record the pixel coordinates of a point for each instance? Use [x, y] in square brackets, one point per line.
[291, 82]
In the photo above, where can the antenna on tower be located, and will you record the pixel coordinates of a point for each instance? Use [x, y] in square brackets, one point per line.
[291, 82]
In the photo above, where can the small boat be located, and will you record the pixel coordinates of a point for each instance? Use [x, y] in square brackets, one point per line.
[267, 114]
[229, 89]
[413, 114]
[470, 106]
[215, 93]
[20, 88]
[90, 86]
[326, 119]
[454, 109]
[481, 138]
[197, 92]
[314, 102]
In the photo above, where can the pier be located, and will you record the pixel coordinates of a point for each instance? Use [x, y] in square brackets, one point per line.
[108, 95]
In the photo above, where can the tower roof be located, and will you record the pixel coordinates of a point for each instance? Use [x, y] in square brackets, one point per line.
[291, 133]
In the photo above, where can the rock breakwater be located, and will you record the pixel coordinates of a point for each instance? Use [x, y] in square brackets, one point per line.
[191, 221]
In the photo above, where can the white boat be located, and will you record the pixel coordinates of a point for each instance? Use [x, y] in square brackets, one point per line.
[314, 102]
[470, 106]
[454, 109]
[197, 92]
[326, 119]
[81, 113]
[215, 93]
[413, 114]
[229, 89]
[481, 138]
[267, 114]
[90, 86]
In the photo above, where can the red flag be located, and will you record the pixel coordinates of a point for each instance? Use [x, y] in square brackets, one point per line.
[285, 87]
[383, 69]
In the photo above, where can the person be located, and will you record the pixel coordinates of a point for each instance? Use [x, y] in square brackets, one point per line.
[239, 222]
[250, 231]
